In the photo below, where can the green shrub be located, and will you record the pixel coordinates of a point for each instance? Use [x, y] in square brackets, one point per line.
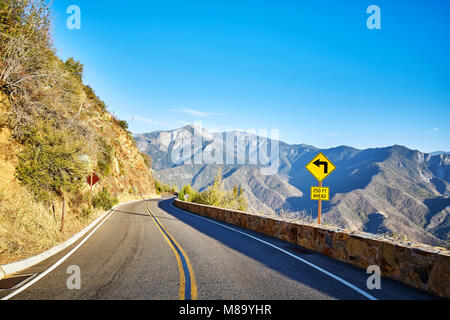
[158, 186]
[189, 192]
[25, 42]
[90, 94]
[213, 195]
[104, 158]
[50, 160]
[86, 212]
[104, 200]
[216, 196]
[162, 188]
[123, 124]
[75, 68]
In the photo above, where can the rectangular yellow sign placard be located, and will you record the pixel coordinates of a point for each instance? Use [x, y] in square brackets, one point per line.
[320, 193]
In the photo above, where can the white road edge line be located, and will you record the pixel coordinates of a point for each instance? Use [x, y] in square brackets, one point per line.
[362, 292]
[60, 261]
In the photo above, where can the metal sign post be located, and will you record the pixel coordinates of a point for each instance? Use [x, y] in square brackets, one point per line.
[320, 206]
[320, 167]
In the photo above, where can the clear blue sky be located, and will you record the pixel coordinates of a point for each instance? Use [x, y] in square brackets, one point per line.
[309, 68]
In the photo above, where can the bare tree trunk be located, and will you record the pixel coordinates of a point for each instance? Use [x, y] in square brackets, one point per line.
[63, 211]
[54, 215]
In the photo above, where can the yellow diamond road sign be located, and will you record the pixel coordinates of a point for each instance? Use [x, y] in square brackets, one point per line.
[320, 167]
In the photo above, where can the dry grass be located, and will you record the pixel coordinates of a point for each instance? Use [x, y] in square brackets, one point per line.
[28, 228]
[25, 226]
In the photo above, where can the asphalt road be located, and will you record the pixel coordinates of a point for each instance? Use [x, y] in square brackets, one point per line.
[152, 251]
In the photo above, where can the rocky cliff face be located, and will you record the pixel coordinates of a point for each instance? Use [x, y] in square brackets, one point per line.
[27, 226]
[391, 190]
[129, 172]
[54, 132]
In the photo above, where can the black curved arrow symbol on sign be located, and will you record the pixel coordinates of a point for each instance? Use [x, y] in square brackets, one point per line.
[320, 163]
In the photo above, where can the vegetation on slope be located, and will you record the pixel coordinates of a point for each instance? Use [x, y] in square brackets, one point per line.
[216, 196]
[162, 188]
[54, 131]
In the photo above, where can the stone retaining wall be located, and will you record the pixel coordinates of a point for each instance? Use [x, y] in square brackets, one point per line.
[419, 266]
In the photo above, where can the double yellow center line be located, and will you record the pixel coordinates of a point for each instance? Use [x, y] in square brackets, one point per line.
[188, 285]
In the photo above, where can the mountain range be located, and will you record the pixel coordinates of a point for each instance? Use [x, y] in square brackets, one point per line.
[391, 190]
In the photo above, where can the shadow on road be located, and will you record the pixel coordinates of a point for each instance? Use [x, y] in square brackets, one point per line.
[312, 278]
[144, 215]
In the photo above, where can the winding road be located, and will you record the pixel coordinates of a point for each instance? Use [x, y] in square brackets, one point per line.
[151, 250]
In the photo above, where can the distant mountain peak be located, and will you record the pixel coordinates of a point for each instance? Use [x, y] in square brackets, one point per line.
[438, 153]
[411, 188]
